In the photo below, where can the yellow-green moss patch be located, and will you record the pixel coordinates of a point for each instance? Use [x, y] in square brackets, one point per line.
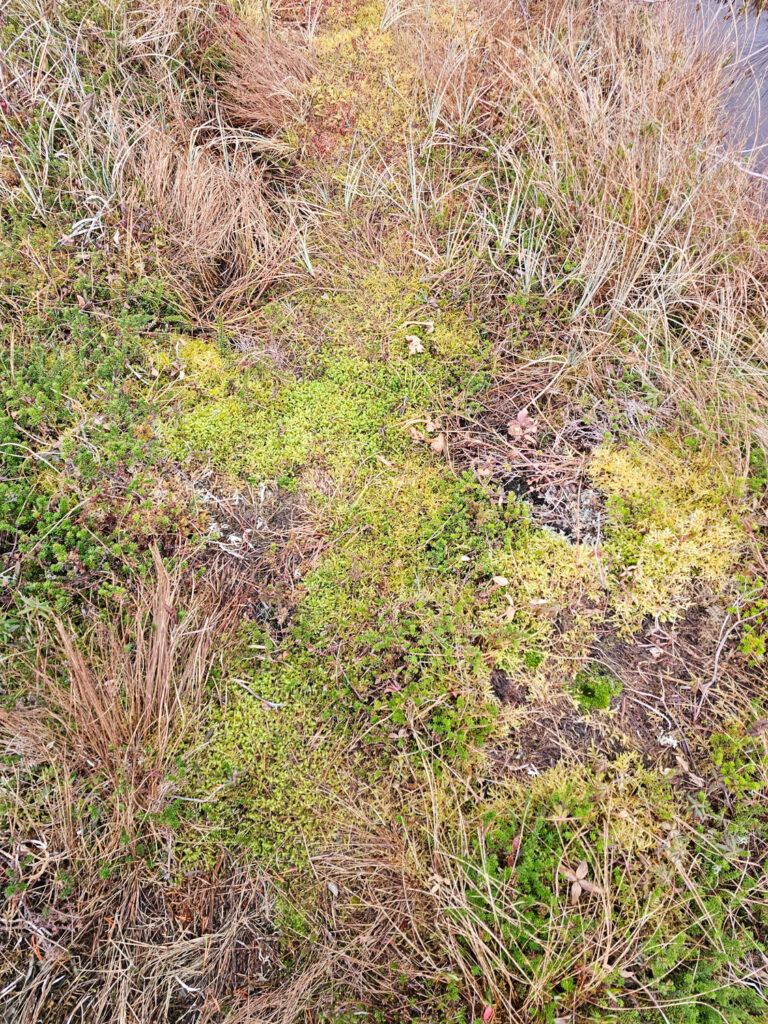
[670, 523]
[265, 780]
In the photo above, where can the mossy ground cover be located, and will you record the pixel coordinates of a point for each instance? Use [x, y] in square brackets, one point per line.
[348, 738]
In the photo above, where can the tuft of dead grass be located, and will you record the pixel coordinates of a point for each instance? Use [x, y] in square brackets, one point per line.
[581, 168]
[97, 916]
[230, 241]
[258, 89]
[123, 715]
[189, 132]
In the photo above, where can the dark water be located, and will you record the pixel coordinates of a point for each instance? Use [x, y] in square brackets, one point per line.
[738, 33]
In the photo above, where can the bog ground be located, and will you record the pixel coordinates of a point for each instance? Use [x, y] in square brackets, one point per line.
[383, 584]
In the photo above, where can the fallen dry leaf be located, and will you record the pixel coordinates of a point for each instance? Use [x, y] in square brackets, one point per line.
[523, 425]
[439, 445]
[509, 612]
[579, 881]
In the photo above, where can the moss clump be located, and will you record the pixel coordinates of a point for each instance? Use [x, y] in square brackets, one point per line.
[669, 524]
[401, 588]
[358, 390]
[337, 419]
[265, 779]
[201, 364]
[550, 601]
[392, 609]
[594, 690]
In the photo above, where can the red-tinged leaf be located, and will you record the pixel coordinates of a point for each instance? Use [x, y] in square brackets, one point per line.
[526, 422]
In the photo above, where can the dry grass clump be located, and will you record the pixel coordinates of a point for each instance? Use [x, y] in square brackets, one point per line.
[97, 919]
[188, 131]
[156, 950]
[220, 180]
[624, 124]
[124, 716]
[117, 714]
[368, 943]
[258, 91]
[580, 165]
[231, 234]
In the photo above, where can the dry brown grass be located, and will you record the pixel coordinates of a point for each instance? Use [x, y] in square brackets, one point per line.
[258, 90]
[194, 146]
[582, 164]
[119, 712]
[219, 178]
[103, 923]
[123, 714]
[229, 235]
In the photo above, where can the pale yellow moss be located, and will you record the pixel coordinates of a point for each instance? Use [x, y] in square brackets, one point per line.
[191, 362]
[670, 523]
[363, 86]
[201, 359]
[551, 601]
[633, 801]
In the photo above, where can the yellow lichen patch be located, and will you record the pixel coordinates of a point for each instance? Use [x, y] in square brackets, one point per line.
[670, 523]
[193, 363]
